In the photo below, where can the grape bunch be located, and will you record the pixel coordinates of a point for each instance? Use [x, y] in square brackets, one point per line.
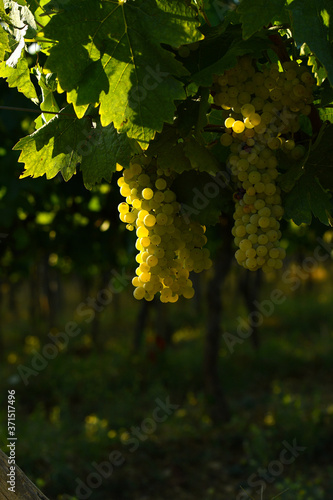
[169, 247]
[261, 109]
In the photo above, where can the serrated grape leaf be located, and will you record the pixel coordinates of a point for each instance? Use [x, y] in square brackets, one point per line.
[309, 26]
[65, 143]
[306, 199]
[19, 76]
[255, 14]
[110, 52]
[326, 114]
[221, 55]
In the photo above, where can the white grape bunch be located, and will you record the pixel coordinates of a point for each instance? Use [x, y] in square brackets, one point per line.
[262, 109]
[169, 247]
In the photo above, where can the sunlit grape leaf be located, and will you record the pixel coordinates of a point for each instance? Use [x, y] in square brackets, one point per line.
[306, 199]
[317, 69]
[110, 52]
[4, 17]
[4, 45]
[310, 24]
[48, 86]
[66, 144]
[19, 76]
[255, 14]
[326, 114]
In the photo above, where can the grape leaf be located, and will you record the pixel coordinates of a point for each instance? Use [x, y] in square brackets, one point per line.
[255, 14]
[320, 160]
[309, 25]
[65, 143]
[294, 171]
[200, 157]
[326, 95]
[110, 52]
[168, 147]
[19, 76]
[202, 196]
[317, 68]
[4, 45]
[326, 114]
[307, 198]
[223, 55]
[23, 20]
[32, 4]
[174, 157]
[174, 152]
[49, 102]
[4, 17]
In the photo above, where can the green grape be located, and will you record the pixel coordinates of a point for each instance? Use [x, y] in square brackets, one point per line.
[139, 293]
[238, 127]
[168, 247]
[147, 193]
[268, 102]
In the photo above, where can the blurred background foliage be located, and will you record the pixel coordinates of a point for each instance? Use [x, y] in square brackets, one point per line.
[61, 244]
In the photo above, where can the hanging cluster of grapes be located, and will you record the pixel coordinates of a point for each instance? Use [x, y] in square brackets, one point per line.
[262, 109]
[169, 247]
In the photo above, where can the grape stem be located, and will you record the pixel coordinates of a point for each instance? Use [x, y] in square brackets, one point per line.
[211, 127]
